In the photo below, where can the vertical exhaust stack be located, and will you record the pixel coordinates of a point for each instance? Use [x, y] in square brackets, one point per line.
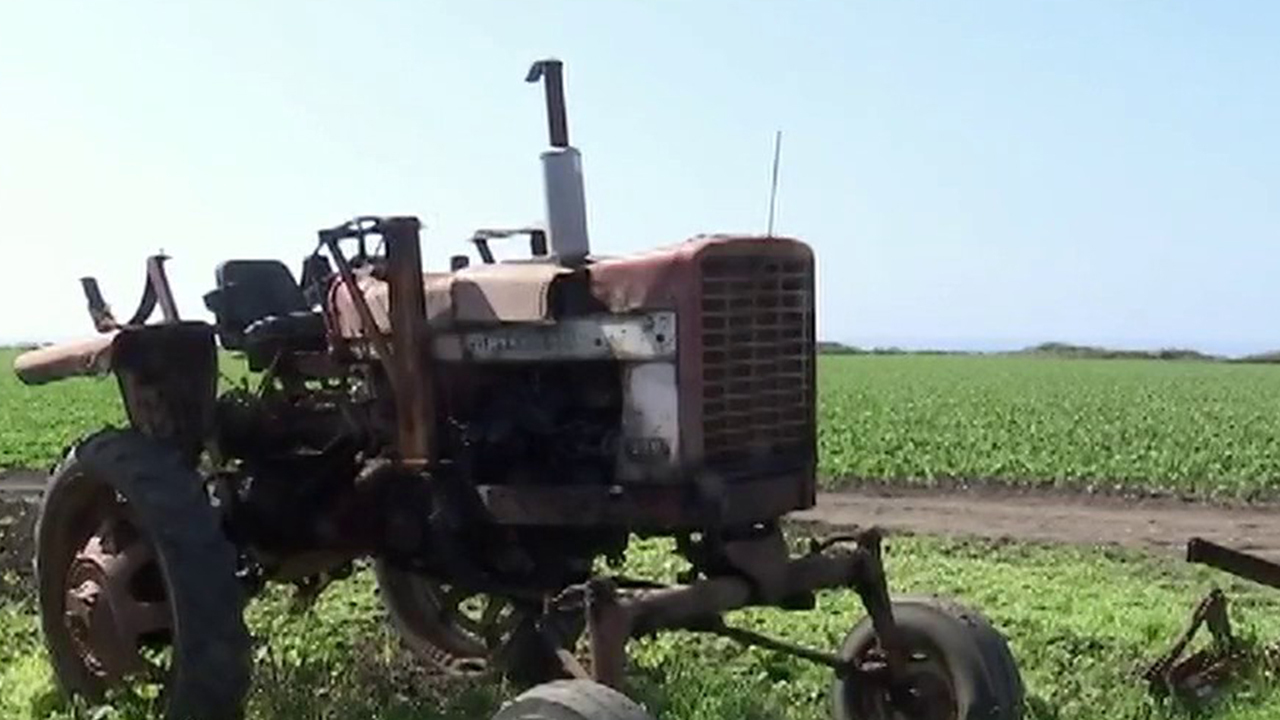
[561, 172]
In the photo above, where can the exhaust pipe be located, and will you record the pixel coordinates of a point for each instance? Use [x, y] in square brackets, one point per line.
[561, 172]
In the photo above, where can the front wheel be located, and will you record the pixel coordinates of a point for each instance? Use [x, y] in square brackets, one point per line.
[959, 668]
[572, 700]
[136, 582]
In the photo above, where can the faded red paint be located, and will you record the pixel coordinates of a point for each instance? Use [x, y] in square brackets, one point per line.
[670, 279]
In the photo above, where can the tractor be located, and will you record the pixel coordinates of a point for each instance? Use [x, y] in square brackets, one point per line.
[488, 438]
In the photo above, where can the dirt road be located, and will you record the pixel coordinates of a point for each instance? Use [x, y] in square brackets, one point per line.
[1162, 525]
[15, 484]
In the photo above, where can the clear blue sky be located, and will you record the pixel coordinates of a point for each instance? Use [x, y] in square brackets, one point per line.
[971, 174]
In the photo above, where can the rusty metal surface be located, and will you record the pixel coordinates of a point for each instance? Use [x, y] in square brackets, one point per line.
[642, 336]
[615, 615]
[650, 507]
[410, 340]
[1249, 567]
[91, 356]
[158, 283]
[743, 636]
[99, 311]
[361, 319]
[104, 613]
[609, 627]
[477, 295]
[168, 378]
[1200, 675]
[155, 290]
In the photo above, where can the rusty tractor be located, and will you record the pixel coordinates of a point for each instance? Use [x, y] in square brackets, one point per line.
[483, 435]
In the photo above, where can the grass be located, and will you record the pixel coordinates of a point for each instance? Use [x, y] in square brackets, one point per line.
[1082, 624]
[1203, 429]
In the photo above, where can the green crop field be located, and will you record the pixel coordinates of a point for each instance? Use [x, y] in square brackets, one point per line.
[37, 423]
[1200, 428]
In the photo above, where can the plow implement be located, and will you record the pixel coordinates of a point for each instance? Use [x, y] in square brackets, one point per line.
[1193, 677]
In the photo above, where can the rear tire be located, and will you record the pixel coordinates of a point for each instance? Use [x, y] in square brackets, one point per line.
[136, 487]
[572, 700]
[956, 653]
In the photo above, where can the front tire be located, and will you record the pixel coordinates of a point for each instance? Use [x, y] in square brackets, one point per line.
[572, 700]
[960, 668]
[131, 565]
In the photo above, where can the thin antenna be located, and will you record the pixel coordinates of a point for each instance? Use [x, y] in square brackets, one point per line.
[773, 189]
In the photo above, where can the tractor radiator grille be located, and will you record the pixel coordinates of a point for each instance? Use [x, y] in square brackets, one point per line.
[758, 365]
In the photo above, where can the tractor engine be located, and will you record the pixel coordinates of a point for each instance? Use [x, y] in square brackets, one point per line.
[535, 424]
[668, 390]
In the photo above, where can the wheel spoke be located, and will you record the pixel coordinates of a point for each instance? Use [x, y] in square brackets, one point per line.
[493, 623]
[449, 600]
[463, 630]
[77, 603]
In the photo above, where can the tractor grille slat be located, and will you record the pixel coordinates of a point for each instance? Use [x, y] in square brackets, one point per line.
[757, 364]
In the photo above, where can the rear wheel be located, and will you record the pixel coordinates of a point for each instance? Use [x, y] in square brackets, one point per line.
[959, 668]
[467, 633]
[572, 700]
[136, 583]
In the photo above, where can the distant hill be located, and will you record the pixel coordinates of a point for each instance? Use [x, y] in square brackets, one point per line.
[1061, 350]
[1272, 356]
[830, 347]
[1067, 350]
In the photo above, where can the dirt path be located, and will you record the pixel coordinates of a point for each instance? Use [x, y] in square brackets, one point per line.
[21, 484]
[1162, 525]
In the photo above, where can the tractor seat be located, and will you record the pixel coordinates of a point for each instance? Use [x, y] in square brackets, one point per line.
[297, 331]
[262, 310]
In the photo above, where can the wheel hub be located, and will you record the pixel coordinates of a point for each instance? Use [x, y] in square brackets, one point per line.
[107, 612]
[924, 693]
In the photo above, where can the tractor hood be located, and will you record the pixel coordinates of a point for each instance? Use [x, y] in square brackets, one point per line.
[483, 295]
[520, 292]
[669, 277]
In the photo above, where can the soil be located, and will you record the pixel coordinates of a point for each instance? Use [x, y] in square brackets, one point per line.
[21, 484]
[1159, 524]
